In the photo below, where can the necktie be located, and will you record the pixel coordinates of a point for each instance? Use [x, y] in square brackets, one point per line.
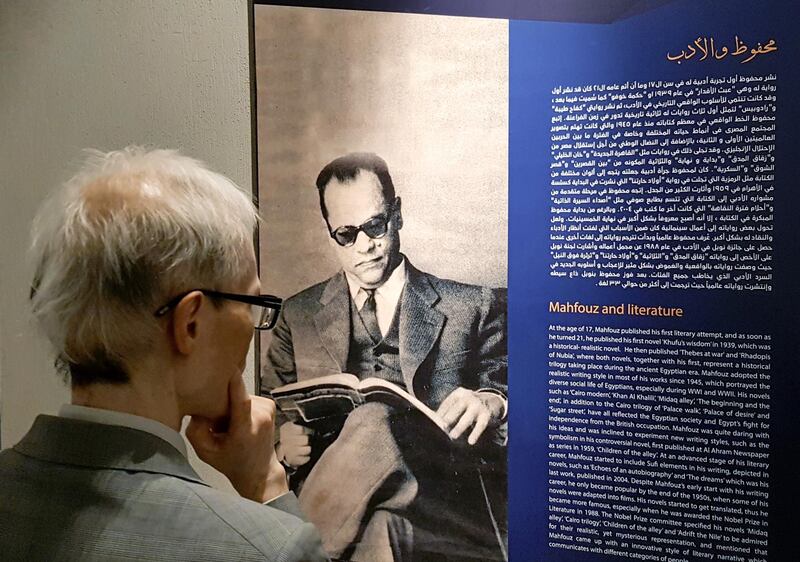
[369, 315]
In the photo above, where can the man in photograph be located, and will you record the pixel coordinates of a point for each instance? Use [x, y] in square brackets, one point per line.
[381, 487]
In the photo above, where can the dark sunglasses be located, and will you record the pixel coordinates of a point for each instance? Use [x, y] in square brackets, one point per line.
[265, 308]
[375, 227]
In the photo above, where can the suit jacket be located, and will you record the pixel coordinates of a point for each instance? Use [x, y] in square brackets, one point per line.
[76, 490]
[451, 334]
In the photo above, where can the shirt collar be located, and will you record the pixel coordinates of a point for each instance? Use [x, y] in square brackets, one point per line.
[390, 290]
[112, 417]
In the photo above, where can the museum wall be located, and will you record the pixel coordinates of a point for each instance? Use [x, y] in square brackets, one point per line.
[97, 74]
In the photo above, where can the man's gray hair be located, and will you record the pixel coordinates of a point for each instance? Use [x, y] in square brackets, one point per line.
[131, 230]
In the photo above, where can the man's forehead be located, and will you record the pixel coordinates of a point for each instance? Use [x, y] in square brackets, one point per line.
[355, 201]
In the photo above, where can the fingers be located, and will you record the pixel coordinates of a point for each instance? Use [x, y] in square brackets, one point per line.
[464, 410]
[200, 435]
[297, 457]
[297, 450]
[240, 404]
[295, 445]
[467, 419]
[454, 405]
[293, 434]
[480, 425]
[262, 418]
[262, 409]
[298, 440]
[290, 429]
[446, 404]
[198, 427]
[454, 413]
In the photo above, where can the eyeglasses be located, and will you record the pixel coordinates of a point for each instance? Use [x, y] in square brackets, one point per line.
[375, 227]
[265, 308]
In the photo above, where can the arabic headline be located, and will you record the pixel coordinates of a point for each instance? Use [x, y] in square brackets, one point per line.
[707, 48]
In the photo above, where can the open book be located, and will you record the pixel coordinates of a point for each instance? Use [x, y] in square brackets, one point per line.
[338, 395]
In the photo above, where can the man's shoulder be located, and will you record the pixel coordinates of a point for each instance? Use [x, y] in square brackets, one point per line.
[455, 290]
[141, 488]
[307, 302]
[269, 530]
[153, 516]
[209, 513]
[451, 286]
[310, 294]
[230, 508]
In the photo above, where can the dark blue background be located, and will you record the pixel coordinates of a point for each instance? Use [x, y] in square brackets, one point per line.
[543, 55]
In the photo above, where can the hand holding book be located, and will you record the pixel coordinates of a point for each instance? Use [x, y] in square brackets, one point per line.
[465, 409]
[306, 402]
[294, 447]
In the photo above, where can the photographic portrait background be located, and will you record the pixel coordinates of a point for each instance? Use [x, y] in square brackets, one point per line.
[407, 87]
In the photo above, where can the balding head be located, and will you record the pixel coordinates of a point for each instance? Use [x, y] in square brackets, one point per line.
[129, 231]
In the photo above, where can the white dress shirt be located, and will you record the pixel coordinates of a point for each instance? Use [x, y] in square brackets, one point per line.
[387, 296]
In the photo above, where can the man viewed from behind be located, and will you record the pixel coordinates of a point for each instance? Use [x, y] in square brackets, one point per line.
[146, 286]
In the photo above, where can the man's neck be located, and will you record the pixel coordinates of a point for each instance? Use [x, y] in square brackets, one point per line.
[157, 404]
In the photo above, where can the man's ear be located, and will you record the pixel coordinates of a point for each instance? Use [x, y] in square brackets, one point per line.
[398, 213]
[328, 231]
[185, 322]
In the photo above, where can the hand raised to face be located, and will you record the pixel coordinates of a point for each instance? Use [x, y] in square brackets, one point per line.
[243, 451]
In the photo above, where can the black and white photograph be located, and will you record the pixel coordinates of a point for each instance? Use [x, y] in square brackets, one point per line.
[383, 183]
